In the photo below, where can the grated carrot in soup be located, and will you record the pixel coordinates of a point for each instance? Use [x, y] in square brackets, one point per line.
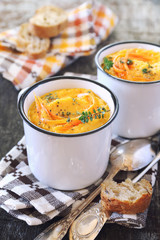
[69, 111]
[137, 64]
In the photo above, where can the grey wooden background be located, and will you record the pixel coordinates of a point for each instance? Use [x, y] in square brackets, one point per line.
[138, 20]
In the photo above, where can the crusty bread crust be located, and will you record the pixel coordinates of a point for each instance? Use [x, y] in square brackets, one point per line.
[33, 46]
[130, 205]
[49, 8]
[47, 31]
[38, 51]
[48, 22]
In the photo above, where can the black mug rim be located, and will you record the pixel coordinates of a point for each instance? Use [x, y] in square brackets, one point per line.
[120, 79]
[23, 96]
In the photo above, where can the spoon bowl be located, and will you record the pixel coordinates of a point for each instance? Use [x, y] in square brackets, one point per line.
[139, 151]
[133, 155]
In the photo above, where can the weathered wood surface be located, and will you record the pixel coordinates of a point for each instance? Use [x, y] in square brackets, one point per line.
[138, 20]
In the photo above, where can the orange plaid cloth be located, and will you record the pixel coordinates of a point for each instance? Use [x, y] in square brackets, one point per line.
[88, 26]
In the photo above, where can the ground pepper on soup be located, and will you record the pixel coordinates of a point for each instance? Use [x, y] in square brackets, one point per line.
[137, 64]
[69, 111]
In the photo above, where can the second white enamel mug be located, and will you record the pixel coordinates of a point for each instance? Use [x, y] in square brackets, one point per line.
[139, 102]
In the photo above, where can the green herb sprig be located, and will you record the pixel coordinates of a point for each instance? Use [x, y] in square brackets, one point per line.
[108, 63]
[49, 97]
[129, 61]
[145, 70]
[99, 113]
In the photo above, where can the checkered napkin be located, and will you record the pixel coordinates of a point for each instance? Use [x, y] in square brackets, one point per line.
[25, 198]
[89, 24]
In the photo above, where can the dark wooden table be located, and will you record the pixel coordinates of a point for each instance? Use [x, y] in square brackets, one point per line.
[138, 20]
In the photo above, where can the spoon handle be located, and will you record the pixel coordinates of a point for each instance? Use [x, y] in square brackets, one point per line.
[155, 160]
[96, 213]
[88, 225]
[58, 230]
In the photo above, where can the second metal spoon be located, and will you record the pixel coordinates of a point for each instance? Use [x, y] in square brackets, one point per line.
[122, 158]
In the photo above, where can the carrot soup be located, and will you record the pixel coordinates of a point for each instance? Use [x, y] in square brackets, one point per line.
[69, 111]
[136, 64]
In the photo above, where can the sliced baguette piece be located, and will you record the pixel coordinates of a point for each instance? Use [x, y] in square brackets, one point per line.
[48, 22]
[35, 47]
[38, 49]
[126, 197]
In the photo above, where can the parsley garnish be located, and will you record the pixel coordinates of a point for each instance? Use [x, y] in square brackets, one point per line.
[74, 101]
[68, 113]
[129, 61]
[86, 116]
[107, 63]
[110, 58]
[145, 70]
[49, 97]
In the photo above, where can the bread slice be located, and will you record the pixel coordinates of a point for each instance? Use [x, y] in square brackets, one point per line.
[126, 197]
[35, 47]
[48, 22]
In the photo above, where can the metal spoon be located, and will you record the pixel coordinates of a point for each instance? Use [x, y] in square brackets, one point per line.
[88, 224]
[134, 155]
[127, 156]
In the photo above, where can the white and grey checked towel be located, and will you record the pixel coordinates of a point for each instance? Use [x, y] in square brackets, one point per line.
[25, 198]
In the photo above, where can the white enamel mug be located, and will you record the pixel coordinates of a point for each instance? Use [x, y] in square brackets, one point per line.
[139, 102]
[67, 161]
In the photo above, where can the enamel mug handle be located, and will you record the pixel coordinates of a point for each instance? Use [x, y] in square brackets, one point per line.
[21, 93]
